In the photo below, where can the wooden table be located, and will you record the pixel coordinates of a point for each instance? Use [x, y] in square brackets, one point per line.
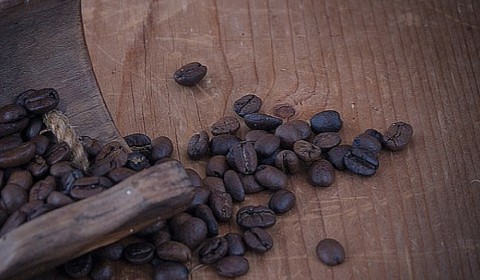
[374, 61]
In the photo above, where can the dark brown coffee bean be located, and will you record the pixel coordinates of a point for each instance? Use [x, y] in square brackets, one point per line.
[303, 127]
[361, 162]
[31, 206]
[67, 180]
[12, 113]
[198, 146]
[139, 252]
[267, 144]
[217, 166]
[171, 271]
[191, 233]
[91, 146]
[41, 143]
[157, 225]
[330, 252]
[21, 178]
[60, 168]
[42, 189]
[201, 196]
[258, 240]
[102, 270]
[250, 184]
[88, 186]
[288, 135]
[10, 141]
[232, 266]
[213, 250]
[236, 245]
[112, 252]
[367, 142]
[204, 212]
[162, 147]
[284, 111]
[112, 155]
[327, 140]
[120, 173]
[34, 127]
[79, 267]
[255, 216]
[15, 220]
[44, 208]
[177, 220]
[194, 177]
[214, 184]
[254, 135]
[174, 251]
[13, 197]
[376, 134]
[270, 159]
[282, 201]
[161, 236]
[247, 104]
[9, 128]
[58, 152]
[321, 173]
[39, 101]
[58, 199]
[243, 158]
[225, 125]
[262, 121]
[326, 121]
[38, 166]
[397, 136]
[336, 155]
[271, 177]
[190, 74]
[288, 162]
[137, 161]
[222, 206]
[139, 142]
[234, 186]
[221, 144]
[307, 151]
[17, 156]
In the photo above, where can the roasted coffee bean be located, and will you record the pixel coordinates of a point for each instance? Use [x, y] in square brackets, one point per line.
[282, 201]
[198, 146]
[139, 252]
[191, 233]
[21, 178]
[112, 155]
[10, 141]
[397, 136]
[375, 133]
[262, 121]
[336, 155]
[233, 185]
[58, 199]
[321, 173]
[190, 74]
[139, 142]
[157, 225]
[247, 104]
[213, 250]
[221, 144]
[194, 177]
[236, 245]
[34, 127]
[201, 196]
[112, 252]
[327, 140]
[17, 156]
[204, 212]
[288, 134]
[232, 266]
[326, 121]
[330, 252]
[307, 151]
[12, 113]
[177, 220]
[271, 177]
[120, 173]
[13, 221]
[367, 142]
[361, 162]
[225, 125]
[137, 161]
[42, 189]
[67, 179]
[91, 146]
[102, 270]
[222, 206]
[40, 211]
[258, 240]
[58, 152]
[79, 267]
[41, 143]
[250, 184]
[162, 147]
[270, 159]
[171, 271]
[303, 127]
[13, 197]
[217, 166]
[288, 162]
[88, 186]
[38, 166]
[267, 144]
[214, 184]
[174, 251]
[39, 101]
[243, 158]
[255, 216]
[254, 135]
[284, 111]
[156, 262]
[9, 128]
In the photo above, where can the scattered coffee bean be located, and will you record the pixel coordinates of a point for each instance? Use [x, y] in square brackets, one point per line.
[233, 185]
[13, 197]
[120, 173]
[336, 155]
[17, 156]
[397, 136]
[321, 173]
[213, 250]
[137, 161]
[79, 267]
[42, 189]
[282, 201]
[111, 252]
[34, 127]
[262, 121]
[232, 266]
[225, 125]
[112, 155]
[255, 216]
[267, 145]
[194, 177]
[161, 236]
[58, 199]
[258, 240]
[288, 162]
[375, 133]
[139, 142]
[367, 142]
[247, 104]
[198, 145]
[39, 101]
[204, 212]
[91, 146]
[13, 221]
[217, 166]
[288, 134]
[330, 252]
[171, 271]
[201, 196]
[174, 251]
[250, 184]
[327, 140]
[222, 206]
[190, 74]
[271, 177]
[254, 135]
[9, 142]
[284, 111]
[221, 144]
[307, 151]
[102, 270]
[236, 245]
[243, 158]
[139, 252]
[162, 147]
[214, 184]
[361, 162]
[191, 233]
[326, 121]
[38, 166]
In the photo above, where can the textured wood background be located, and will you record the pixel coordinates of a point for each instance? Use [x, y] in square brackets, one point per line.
[375, 61]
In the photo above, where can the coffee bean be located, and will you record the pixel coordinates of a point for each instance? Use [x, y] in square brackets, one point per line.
[217, 166]
[250, 184]
[38, 166]
[39, 101]
[79, 267]
[177, 220]
[327, 140]
[13, 197]
[326, 121]
[361, 162]
[88, 186]
[67, 179]
[34, 127]
[44, 208]
[17, 156]
[214, 184]
[213, 250]
[375, 133]
[139, 252]
[137, 161]
[288, 135]
[307, 151]
[120, 173]
[262, 121]
[225, 125]
[58, 199]
[288, 162]
[232, 266]
[303, 127]
[42, 189]
[267, 144]
[171, 271]
[282, 201]
[397, 136]
[112, 155]
[204, 212]
[284, 111]
[102, 270]
[254, 135]
[258, 240]
[21, 178]
[162, 147]
[201, 196]
[91, 146]
[174, 251]
[330, 252]
[221, 204]
[198, 145]
[190, 74]
[271, 177]
[194, 177]
[13, 221]
[157, 225]
[191, 233]
[112, 252]
[247, 104]
[139, 142]
[367, 142]
[236, 245]
[12, 113]
[243, 158]
[58, 152]
[233, 185]
[10, 141]
[321, 173]
[31, 206]
[41, 143]
[336, 155]
[9, 128]
[221, 144]
[270, 159]
[255, 216]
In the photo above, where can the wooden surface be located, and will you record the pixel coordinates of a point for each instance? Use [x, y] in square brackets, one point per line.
[375, 61]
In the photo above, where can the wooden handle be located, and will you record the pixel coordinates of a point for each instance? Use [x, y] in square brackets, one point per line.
[70, 231]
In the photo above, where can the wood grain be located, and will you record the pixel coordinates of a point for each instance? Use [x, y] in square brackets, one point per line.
[375, 61]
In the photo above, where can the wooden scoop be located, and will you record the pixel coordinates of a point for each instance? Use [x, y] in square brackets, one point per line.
[42, 45]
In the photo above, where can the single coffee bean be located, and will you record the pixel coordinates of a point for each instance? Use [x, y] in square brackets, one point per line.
[367, 142]
[162, 147]
[307, 151]
[41, 143]
[17, 156]
[139, 142]
[31, 206]
[258, 240]
[201, 196]
[190, 74]
[8, 128]
[336, 155]
[214, 184]
[174, 251]
[270, 159]
[267, 144]
[222, 206]
[326, 121]
[262, 121]
[397, 136]
[67, 179]
[39, 101]
[198, 145]
[232, 266]
[321, 173]
[157, 225]
[327, 140]
[375, 133]
[255, 216]
[282, 201]
[288, 135]
[213, 250]
[13, 221]
[254, 135]
[284, 111]
[221, 144]
[271, 177]
[112, 155]
[13, 197]
[91, 146]
[12, 113]
[38, 166]
[102, 270]
[40, 211]
[225, 125]
[288, 162]
[217, 166]
[177, 220]
[120, 173]
[194, 177]
[330, 252]
[303, 127]
[236, 245]
[247, 104]
[171, 271]
[137, 161]
[88, 186]
[233, 185]
[58, 152]
[161, 236]
[22, 178]
[58, 199]
[34, 127]
[42, 189]
[361, 162]
[250, 184]
[139, 252]
[205, 213]
[191, 232]
[112, 252]
[79, 267]
[243, 158]
[10, 141]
